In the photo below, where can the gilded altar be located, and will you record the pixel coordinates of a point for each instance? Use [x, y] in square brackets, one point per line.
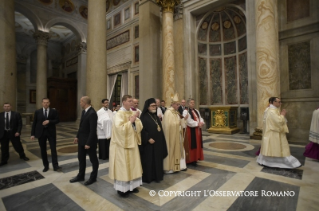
[224, 120]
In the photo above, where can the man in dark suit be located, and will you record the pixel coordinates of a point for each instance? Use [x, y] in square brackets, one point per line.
[86, 139]
[182, 107]
[10, 129]
[163, 108]
[44, 129]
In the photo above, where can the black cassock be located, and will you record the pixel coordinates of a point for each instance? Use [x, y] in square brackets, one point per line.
[152, 155]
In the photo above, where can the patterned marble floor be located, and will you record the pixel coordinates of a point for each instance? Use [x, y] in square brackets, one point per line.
[23, 185]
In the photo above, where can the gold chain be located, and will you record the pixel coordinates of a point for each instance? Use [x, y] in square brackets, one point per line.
[158, 127]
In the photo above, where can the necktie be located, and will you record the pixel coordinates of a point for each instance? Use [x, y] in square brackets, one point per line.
[46, 114]
[7, 122]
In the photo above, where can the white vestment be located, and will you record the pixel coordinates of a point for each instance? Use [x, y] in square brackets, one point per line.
[314, 127]
[104, 123]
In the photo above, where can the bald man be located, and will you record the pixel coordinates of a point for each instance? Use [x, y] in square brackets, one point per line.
[134, 108]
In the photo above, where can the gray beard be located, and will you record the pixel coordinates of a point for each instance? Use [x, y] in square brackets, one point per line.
[153, 112]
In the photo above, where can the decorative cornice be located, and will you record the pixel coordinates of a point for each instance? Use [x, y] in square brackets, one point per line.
[168, 5]
[119, 67]
[81, 47]
[41, 37]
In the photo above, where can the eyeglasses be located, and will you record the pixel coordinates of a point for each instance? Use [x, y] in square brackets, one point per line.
[153, 106]
[278, 101]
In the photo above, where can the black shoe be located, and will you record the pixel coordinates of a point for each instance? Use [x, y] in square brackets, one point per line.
[194, 163]
[124, 195]
[90, 181]
[45, 169]
[57, 168]
[76, 179]
[25, 158]
[3, 163]
[135, 190]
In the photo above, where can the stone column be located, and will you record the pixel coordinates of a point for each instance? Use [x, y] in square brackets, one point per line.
[96, 74]
[168, 49]
[21, 83]
[42, 42]
[8, 66]
[81, 76]
[267, 56]
[150, 61]
[179, 52]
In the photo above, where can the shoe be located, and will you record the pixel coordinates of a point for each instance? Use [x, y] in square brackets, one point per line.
[3, 163]
[194, 163]
[25, 158]
[76, 179]
[124, 195]
[45, 169]
[135, 190]
[89, 182]
[58, 169]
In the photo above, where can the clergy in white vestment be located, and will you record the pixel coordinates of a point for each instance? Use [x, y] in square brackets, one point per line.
[104, 129]
[125, 166]
[173, 131]
[275, 151]
[312, 149]
[134, 108]
[159, 110]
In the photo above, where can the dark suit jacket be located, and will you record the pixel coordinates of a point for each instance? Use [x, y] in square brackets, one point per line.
[180, 110]
[87, 131]
[15, 123]
[163, 109]
[37, 127]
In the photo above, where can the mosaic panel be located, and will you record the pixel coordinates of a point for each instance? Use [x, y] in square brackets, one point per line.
[216, 81]
[203, 88]
[215, 50]
[230, 80]
[202, 49]
[242, 44]
[299, 66]
[230, 48]
[243, 78]
[214, 35]
[228, 28]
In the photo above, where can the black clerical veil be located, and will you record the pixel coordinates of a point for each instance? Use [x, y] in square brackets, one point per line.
[146, 105]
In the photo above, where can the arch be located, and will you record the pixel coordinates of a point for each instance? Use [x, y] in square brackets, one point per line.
[34, 19]
[67, 23]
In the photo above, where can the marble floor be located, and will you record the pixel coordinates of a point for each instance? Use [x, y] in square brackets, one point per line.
[228, 179]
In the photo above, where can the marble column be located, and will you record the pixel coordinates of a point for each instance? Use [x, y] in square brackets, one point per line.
[41, 83]
[21, 83]
[179, 52]
[168, 49]
[96, 74]
[267, 56]
[150, 61]
[8, 68]
[81, 76]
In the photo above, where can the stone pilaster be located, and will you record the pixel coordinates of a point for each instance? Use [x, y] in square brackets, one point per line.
[168, 48]
[81, 76]
[8, 76]
[96, 74]
[267, 56]
[41, 84]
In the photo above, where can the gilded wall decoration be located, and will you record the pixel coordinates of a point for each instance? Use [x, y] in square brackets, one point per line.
[203, 82]
[66, 5]
[118, 40]
[216, 81]
[243, 78]
[83, 10]
[299, 66]
[230, 80]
